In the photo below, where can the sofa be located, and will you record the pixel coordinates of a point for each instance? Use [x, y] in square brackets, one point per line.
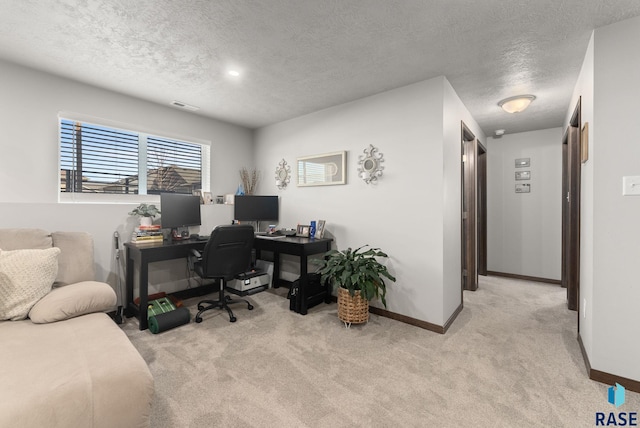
[63, 361]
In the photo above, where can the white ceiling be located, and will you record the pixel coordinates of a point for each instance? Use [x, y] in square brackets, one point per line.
[300, 56]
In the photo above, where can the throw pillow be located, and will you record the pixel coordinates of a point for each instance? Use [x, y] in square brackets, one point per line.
[25, 277]
[72, 301]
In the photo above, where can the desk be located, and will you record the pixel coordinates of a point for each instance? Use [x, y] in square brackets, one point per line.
[139, 256]
[295, 246]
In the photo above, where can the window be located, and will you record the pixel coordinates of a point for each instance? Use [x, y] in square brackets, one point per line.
[101, 159]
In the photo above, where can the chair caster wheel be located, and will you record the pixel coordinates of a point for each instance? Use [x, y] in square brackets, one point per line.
[250, 307]
[198, 320]
[233, 319]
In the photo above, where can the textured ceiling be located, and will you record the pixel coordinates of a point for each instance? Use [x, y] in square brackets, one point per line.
[300, 56]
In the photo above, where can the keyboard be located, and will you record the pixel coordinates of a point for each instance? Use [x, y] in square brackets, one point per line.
[270, 236]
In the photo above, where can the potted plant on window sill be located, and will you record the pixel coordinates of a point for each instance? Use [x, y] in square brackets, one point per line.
[146, 213]
[359, 277]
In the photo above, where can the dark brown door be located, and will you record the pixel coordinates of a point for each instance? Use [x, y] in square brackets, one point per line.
[571, 166]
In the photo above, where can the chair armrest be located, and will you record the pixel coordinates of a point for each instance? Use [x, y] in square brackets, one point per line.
[195, 253]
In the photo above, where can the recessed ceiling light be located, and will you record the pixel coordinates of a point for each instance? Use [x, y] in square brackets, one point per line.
[234, 73]
[516, 104]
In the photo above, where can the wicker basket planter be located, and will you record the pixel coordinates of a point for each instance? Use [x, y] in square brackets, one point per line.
[352, 309]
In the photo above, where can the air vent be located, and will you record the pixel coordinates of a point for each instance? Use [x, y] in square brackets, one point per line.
[185, 106]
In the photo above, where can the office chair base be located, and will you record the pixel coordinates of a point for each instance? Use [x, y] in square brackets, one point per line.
[224, 303]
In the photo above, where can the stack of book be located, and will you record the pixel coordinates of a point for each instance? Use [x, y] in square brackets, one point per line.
[147, 234]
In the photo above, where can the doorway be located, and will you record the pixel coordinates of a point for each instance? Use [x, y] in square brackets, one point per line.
[571, 167]
[474, 209]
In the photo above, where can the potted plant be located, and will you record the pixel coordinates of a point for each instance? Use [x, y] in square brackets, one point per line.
[146, 213]
[359, 277]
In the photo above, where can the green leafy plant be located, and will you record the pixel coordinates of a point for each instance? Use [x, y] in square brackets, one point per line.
[357, 270]
[144, 210]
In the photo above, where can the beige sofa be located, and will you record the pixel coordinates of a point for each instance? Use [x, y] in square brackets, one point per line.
[63, 361]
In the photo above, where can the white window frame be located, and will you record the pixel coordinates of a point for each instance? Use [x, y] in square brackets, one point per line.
[81, 197]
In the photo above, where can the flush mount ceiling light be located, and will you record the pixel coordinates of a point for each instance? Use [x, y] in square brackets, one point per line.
[516, 104]
[234, 73]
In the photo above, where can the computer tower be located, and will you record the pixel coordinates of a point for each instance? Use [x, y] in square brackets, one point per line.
[316, 293]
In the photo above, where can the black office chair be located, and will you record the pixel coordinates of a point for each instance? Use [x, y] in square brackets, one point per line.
[226, 255]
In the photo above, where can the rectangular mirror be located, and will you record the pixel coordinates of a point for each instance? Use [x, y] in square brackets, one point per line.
[322, 170]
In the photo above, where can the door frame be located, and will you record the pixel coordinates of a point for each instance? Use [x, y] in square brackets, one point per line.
[473, 209]
[571, 174]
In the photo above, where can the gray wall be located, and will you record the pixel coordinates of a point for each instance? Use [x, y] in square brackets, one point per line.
[524, 231]
[609, 292]
[29, 159]
[616, 235]
[404, 214]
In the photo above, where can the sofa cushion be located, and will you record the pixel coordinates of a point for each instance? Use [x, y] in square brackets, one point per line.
[25, 277]
[75, 263]
[20, 239]
[82, 372]
[72, 301]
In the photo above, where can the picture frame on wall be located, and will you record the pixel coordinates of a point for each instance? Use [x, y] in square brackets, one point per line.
[523, 188]
[523, 162]
[322, 170]
[523, 175]
[584, 143]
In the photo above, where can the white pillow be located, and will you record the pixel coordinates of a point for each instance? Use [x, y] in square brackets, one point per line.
[72, 301]
[25, 277]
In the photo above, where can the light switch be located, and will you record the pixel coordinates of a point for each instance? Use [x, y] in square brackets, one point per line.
[630, 186]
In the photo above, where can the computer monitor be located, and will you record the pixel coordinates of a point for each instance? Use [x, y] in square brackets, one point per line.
[179, 210]
[255, 208]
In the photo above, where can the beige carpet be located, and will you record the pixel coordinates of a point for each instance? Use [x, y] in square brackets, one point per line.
[511, 359]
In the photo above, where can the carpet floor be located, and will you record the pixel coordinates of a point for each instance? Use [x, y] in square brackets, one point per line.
[510, 359]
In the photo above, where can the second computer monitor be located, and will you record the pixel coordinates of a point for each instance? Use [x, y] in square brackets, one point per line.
[255, 208]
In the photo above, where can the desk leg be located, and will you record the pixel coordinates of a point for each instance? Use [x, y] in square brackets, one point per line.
[275, 281]
[144, 293]
[128, 304]
[304, 283]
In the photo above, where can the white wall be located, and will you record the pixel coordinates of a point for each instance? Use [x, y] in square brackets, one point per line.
[584, 92]
[524, 230]
[29, 157]
[453, 113]
[403, 213]
[615, 151]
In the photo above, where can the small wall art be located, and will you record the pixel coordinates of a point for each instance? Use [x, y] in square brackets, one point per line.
[523, 188]
[523, 175]
[584, 143]
[523, 162]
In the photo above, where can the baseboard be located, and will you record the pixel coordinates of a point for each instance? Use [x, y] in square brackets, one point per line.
[412, 321]
[604, 377]
[453, 317]
[525, 277]
[408, 320]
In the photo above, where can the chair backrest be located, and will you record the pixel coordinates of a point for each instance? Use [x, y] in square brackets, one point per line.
[228, 251]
